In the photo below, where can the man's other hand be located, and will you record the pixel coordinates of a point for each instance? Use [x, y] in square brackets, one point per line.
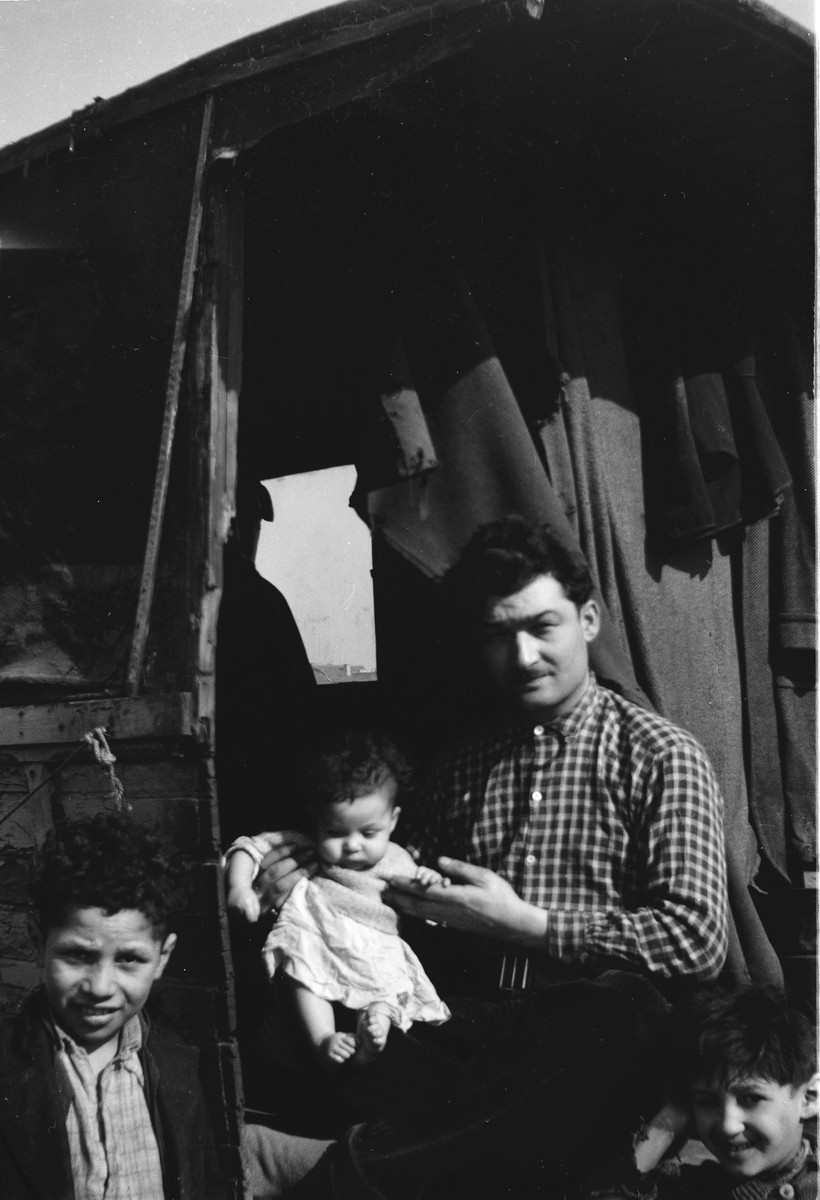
[475, 901]
[282, 868]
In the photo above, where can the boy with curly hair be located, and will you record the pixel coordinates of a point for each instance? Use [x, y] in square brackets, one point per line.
[95, 1102]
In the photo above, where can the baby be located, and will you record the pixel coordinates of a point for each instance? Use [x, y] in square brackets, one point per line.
[334, 939]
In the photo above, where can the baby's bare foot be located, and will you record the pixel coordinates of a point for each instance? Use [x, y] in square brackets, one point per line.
[337, 1049]
[372, 1029]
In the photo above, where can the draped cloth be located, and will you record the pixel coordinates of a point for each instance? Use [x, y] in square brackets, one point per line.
[488, 462]
[675, 606]
[669, 627]
[711, 459]
[778, 620]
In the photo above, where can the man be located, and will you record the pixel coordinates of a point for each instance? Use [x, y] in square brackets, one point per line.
[589, 836]
[579, 829]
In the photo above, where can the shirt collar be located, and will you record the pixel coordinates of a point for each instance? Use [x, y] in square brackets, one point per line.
[130, 1044]
[566, 727]
[570, 724]
[760, 1188]
[794, 1166]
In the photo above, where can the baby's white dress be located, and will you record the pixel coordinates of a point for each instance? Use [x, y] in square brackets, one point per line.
[335, 936]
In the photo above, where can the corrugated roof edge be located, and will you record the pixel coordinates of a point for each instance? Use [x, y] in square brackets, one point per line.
[305, 37]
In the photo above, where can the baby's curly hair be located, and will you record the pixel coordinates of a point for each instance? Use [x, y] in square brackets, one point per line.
[108, 861]
[352, 764]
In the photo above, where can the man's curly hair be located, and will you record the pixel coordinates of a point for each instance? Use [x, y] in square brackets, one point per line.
[108, 861]
[505, 556]
[352, 764]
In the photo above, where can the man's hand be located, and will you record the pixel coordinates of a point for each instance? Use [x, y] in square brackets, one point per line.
[282, 868]
[475, 901]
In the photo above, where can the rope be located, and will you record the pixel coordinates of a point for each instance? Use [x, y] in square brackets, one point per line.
[102, 752]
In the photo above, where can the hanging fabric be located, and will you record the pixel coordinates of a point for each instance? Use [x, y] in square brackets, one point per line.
[777, 590]
[488, 463]
[712, 459]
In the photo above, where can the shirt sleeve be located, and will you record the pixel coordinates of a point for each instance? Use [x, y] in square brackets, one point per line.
[681, 929]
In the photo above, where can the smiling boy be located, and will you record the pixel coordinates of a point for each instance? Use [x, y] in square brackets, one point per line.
[753, 1085]
[94, 1101]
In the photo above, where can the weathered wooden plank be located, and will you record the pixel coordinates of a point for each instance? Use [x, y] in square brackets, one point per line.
[219, 410]
[180, 343]
[169, 715]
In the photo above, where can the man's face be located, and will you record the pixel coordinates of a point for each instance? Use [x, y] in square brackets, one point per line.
[99, 971]
[535, 647]
[752, 1126]
[355, 833]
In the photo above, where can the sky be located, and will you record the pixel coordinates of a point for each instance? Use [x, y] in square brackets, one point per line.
[317, 552]
[57, 55]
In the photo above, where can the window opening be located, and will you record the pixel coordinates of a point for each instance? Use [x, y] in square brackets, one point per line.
[317, 551]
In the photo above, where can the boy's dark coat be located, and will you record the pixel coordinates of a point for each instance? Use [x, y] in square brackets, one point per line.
[35, 1161]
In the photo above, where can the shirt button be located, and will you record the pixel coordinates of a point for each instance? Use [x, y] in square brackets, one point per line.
[537, 796]
[786, 1191]
[529, 860]
[539, 730]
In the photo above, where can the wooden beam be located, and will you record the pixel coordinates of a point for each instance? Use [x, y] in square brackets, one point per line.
[178, 347]
[65, 722]
[216, 426]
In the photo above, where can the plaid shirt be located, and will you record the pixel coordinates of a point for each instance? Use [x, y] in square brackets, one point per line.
[610, 818]
[114, 1152]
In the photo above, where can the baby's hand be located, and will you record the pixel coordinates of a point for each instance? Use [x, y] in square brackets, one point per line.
[426, 876]
[245, 901]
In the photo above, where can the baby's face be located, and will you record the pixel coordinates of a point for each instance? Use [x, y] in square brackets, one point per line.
[355, 833]
[752, 1126]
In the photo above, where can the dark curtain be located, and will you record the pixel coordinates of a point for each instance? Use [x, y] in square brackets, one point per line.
[568, 444]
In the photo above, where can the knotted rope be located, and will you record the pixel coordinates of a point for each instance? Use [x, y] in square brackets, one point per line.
[96, 739]
[97, 742]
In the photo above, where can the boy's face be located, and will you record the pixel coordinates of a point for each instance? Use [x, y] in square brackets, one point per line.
[752, 1126]
[99, 971]
[355, 833]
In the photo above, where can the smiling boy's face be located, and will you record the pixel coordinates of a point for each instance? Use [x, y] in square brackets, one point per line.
[99, 971]
[752, 1126]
